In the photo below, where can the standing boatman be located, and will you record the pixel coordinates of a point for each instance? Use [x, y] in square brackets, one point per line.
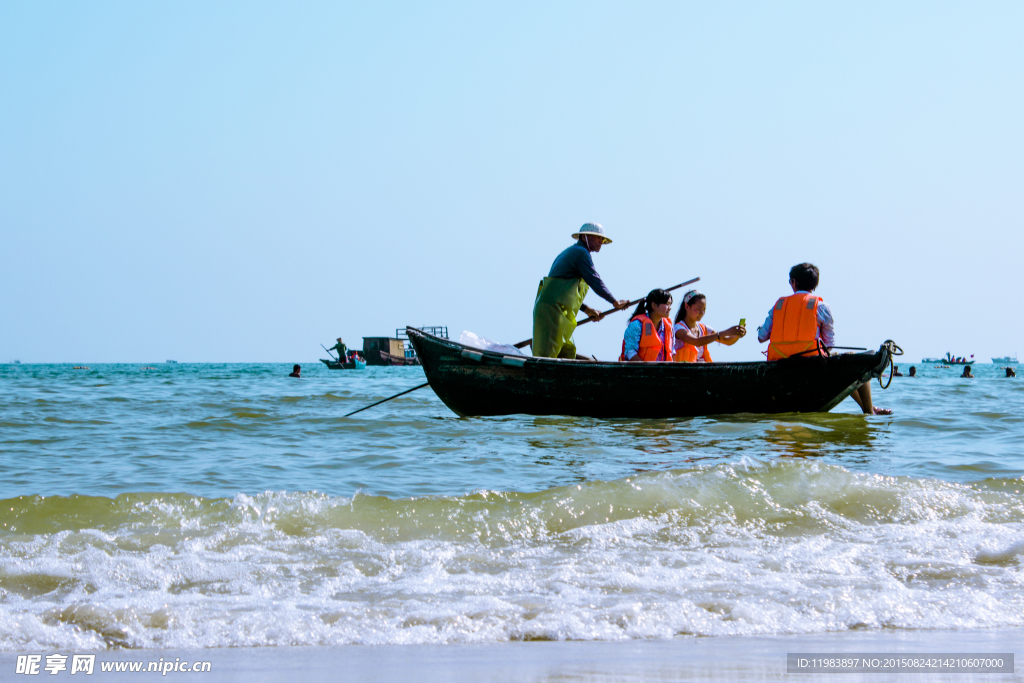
[560, 294]
[341, 349]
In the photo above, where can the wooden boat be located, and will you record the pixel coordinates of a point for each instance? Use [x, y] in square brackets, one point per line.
[357, 364]
[950, 360]
[391, 359]
[471, 381]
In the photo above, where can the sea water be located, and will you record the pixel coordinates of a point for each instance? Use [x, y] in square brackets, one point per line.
[194, 506]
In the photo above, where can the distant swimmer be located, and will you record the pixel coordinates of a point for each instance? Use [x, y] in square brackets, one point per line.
[1010, 372]
[801, 325]
[896, 371]
[967, 372]
[560, 295]
[913, 372]
[296, 369]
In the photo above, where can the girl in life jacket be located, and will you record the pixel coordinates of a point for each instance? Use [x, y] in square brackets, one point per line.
[648, 335]
[693, 336]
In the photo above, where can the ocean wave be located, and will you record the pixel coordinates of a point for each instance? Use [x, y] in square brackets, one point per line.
[785, 547]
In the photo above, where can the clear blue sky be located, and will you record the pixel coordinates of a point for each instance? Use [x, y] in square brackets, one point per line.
[242, 181]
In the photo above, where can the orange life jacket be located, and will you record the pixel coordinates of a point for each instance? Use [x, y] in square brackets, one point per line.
[650, 345]
[688, 352]
[794, 326]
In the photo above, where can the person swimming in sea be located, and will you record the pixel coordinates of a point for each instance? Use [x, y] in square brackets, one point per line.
[913, 372]
[296, 370]
[967, 373]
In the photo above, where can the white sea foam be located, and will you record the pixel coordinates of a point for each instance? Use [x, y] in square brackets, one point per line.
[788, 547]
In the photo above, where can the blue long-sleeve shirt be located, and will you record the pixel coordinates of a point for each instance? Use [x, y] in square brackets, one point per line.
[577, 262]
[634, 330]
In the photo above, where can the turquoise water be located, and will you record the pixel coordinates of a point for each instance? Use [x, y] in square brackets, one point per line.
[216, 430]
[229, 505]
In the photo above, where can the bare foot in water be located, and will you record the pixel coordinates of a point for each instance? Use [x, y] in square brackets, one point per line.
[862, 395]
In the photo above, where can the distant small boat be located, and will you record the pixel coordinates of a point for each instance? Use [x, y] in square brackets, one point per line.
[950, 360]
[391, 359]
[357, 364]
[18, 362]
[171, 361]
[1005, 360]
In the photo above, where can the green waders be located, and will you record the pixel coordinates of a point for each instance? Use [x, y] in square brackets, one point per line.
[554, 316]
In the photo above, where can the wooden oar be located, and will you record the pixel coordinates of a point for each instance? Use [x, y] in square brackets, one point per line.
[611, 310]
[328, 352]
[387, 399]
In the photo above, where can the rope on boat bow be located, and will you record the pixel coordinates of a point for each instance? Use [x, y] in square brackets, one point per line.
[894, 351]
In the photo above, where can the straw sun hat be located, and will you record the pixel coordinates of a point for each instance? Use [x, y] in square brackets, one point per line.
[591, 229]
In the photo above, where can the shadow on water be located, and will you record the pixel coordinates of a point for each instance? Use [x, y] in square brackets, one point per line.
[577, 445]
[786, 434]
[849, 437]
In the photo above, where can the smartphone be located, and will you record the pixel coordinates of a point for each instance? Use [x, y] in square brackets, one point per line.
[743, 322]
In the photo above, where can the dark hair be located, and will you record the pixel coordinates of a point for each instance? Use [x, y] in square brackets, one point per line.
[655, 296]
[805, 275]
[683, 304]
[296, 368]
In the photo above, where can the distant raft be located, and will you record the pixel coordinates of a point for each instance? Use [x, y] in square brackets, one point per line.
[475, 382]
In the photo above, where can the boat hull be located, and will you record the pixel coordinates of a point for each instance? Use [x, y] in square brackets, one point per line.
[391, 359]
[474, 382]
[335, 365]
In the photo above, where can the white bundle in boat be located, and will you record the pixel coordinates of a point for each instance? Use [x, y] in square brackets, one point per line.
[470, 339]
